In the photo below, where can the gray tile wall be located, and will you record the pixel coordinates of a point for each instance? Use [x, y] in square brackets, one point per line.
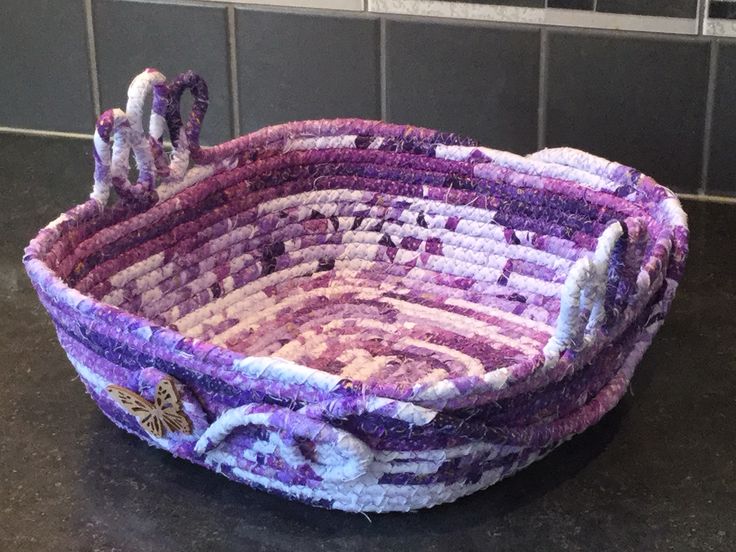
[722, 9]
[478, 81]
[522, 3]
[634, 97]
[572, 4]
[722, 161]
[305, 66]
[130, 36]
[45, 70]
[666, 8]
[631, 99]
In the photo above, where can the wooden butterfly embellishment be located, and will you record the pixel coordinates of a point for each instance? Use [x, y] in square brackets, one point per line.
[163, 415]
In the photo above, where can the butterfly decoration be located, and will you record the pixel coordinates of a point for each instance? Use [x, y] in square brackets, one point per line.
[163, 415]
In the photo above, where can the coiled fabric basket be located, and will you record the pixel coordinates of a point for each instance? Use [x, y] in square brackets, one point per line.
[354, 314]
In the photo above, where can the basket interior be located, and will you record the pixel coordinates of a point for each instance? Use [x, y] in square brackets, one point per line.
[374, 263]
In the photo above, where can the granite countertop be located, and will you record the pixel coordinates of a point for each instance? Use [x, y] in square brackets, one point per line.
[657, 473]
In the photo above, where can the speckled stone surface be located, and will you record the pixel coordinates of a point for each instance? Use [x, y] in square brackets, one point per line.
[658, 473]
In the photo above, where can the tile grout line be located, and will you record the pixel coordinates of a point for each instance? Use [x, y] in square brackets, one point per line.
[542, 92]
[702, 14]
[723, 200]
[708, 125]
[92, 58]
[382, 69]
[45, 133]
[232, 52]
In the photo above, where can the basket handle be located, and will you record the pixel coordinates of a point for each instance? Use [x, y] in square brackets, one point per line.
[335, 454]
[112, 145]
[583, 301]
[150, 80]
[185, 139]
[117, 132]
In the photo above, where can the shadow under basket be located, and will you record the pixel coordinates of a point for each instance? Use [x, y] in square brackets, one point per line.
[354, 314]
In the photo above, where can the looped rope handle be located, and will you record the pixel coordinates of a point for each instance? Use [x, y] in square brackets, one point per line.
[111, 160]
[336, 456]
[186, 138]
[117, 132]
[582, 304]
[125, 130]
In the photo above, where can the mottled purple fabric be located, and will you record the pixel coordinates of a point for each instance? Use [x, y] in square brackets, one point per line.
[418, 288]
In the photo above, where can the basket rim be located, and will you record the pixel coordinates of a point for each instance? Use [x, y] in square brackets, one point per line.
[660, 201]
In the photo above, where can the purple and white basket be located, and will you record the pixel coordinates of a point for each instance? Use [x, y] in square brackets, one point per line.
[354, 314]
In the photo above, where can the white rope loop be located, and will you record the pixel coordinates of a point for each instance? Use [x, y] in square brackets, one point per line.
[118, 132]
[582, 304]
[338, 455]
[110, 127]
[142, 85]
[139, 89]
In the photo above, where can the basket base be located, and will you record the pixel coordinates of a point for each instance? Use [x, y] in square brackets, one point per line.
[402, 328]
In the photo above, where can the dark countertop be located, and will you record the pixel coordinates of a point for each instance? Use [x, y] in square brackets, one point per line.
[657, 473]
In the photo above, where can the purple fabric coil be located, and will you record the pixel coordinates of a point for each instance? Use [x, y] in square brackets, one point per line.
[358, 315]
